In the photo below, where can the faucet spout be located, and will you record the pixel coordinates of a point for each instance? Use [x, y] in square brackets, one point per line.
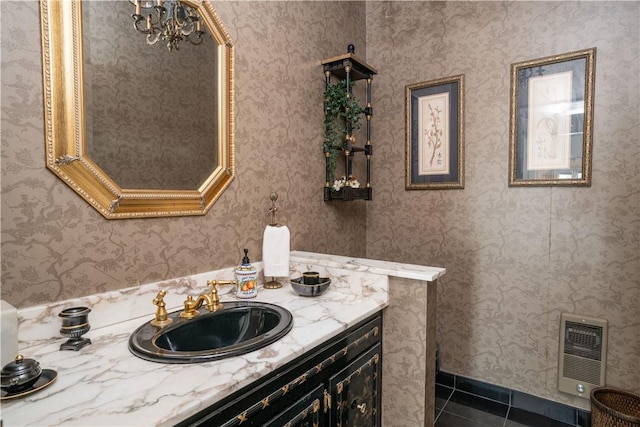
[206, 300]
[211, 300]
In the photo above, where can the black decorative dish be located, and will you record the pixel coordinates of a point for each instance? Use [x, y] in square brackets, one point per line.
[47, 377]
[20, 374]
[310, 290]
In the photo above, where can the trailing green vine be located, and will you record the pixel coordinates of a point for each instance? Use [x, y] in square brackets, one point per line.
[341, 107]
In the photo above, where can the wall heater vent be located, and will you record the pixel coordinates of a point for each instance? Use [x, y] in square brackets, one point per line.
[583, 354]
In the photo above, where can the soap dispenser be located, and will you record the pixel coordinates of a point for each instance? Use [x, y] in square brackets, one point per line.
[247, 277]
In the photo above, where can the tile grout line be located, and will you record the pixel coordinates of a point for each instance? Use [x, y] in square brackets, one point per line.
[453, 390]
[506, 417]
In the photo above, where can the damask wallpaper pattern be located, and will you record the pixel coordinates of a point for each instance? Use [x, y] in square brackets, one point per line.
[515, 257]
[55, 246]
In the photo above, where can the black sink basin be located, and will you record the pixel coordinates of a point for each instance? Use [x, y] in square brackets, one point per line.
[238, 328]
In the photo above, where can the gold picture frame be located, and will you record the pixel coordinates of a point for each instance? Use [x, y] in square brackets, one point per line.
[435, 134]
[551, 120]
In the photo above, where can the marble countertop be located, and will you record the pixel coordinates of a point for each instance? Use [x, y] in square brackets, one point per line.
[389, 268]
[104, 384]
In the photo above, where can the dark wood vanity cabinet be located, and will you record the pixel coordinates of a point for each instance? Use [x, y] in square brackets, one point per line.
[337, 384]
[355, 392]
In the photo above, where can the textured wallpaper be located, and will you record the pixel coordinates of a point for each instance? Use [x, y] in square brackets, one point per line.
[55, 246]
[515, 257]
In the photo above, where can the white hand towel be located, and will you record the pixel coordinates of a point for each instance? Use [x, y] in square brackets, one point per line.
[275, 251]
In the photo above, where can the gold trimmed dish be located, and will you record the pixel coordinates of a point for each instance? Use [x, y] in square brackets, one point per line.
[47, 377]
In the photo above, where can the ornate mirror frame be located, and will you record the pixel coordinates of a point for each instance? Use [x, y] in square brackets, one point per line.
[62, 52]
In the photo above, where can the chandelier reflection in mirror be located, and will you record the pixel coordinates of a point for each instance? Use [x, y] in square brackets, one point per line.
[173, 24]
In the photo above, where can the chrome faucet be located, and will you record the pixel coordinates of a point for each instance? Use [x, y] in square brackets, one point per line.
[210, 300]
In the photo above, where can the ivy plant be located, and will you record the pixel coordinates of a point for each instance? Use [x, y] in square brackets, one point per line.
[341, 108]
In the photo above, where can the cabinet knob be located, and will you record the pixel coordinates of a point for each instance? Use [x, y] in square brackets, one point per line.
[362, 406]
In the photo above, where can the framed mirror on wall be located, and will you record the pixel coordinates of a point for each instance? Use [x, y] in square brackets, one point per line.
[137, 129]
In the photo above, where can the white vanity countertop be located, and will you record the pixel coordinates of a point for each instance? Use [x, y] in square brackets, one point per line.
[104, 384]
[389, 268]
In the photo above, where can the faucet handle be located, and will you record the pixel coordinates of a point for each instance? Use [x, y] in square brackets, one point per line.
[221, 282]
[162, 317]
[215, 299]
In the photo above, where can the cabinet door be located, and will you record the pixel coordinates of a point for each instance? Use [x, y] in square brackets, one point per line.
[355, 392]
[306, 412]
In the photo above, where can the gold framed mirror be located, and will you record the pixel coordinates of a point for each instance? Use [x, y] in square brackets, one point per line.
[76, 131]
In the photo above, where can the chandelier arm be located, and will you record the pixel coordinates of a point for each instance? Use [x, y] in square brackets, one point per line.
[153, 40]
[187, 30]
[161, 11]
[198, 39]
[137, 19]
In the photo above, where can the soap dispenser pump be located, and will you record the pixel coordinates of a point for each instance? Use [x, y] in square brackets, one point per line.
[247, 277]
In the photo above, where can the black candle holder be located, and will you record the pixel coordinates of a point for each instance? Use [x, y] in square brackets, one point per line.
[75, 323]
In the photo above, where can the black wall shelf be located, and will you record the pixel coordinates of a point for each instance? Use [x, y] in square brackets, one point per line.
[347, 69]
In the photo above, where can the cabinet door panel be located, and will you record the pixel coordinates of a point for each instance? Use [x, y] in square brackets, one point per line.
[306, 412]
[356, 392]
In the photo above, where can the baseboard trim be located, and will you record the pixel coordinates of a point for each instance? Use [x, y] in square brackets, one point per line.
[516, 399]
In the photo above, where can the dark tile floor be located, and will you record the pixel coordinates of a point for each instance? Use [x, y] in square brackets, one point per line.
[461, 403]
